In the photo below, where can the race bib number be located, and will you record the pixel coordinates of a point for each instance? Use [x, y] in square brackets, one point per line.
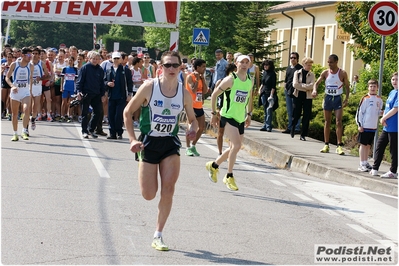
[332, 89]
[199, 97]
[240, 96]
[164, 124]
[69, 76]
[22, 83]
[36, 82]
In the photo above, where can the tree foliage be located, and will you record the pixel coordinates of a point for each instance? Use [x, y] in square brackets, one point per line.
[352, 17]
[224, 19]
[134, 33]
[52, 34]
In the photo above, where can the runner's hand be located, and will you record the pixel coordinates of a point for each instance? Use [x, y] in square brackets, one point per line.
[136, 146]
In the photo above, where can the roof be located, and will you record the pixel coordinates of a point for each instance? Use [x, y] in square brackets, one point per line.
[295, 5]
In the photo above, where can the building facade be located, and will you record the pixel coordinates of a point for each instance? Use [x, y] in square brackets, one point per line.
[310, 29]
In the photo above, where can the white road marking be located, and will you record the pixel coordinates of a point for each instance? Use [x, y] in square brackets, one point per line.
[330, 212]
[360, 229]
[94, 158]
[303, 197]
[278, 183]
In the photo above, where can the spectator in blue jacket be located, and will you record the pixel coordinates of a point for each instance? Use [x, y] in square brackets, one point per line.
[90, 88]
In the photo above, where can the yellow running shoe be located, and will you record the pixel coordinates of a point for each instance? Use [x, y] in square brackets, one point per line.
[158, 244]
[325, 149]
[230, 183]
[24, 136]
[213, 172]
[339, 150]
[15, 138]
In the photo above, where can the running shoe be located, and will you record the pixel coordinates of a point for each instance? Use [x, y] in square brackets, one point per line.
[189, 151]
[26, 131]
[80, 119]
[49, 118]
[369, 166]
[136, 124]
[15, 138]
[9, 117]
[374, 172]
[325, 149]
[158, 244]
[25, 136]
[339, 150]
[62, 119]
[21, 117]
[230, 183]
[363, 168]
[389, 174]
[94, 135]
[213, 172]
[194, 151]
[69, 119]
[85, 135]
[33, 126]
[39, 118]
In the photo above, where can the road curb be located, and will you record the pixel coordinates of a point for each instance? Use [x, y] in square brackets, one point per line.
[285, 160]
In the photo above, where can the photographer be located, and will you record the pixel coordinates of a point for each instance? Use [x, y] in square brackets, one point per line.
[119, 84]
[90, 82]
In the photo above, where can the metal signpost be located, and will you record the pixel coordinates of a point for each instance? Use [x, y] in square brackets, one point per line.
[383, 20]
[201, 37]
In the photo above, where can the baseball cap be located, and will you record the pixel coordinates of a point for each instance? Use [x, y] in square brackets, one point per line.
[116, 55]
[242, 57]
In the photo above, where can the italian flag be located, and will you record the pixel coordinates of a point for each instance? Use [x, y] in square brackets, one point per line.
[158, 11]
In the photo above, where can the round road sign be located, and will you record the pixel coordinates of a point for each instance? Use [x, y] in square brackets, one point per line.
[383, 18]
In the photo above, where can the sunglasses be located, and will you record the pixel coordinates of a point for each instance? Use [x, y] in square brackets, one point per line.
[171, 65]
[293, 58]
[146, 57]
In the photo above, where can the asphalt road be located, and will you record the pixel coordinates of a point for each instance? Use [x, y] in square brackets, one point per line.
[71, 201]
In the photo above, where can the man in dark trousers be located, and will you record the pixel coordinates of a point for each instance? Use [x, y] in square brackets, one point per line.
[289, 90]
[119, 84]
[90, 84]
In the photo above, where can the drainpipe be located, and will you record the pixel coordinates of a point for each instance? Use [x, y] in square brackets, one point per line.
[292, 26]
[313, 24]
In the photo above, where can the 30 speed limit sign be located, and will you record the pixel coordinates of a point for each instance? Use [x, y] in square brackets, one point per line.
[383, 18]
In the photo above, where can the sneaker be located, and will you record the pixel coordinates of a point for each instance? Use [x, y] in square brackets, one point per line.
[158, 244]
[230, 183]
[189, 151]
[339, 150]
[80, 119]
[213, 172]
[120, 137]
[39, 118]
[69, 119]
[62, 119]
[9, 117]
[85, 135]
[389, 174]
[25, 136]
[26, 132]
[369, 166]
[194, 151]
[105, 120]
[363, 168]
[94, 135]
[374, 172]
[101, 133]
[33, 126]
[49, 119]
[325, 149]
[15, 138]
[136, 124]
[111, 137]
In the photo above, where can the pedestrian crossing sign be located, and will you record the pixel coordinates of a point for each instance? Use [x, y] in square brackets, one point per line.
[201, 36]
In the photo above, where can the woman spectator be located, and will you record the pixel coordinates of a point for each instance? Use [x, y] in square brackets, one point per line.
[303, 83]
[5, 87]
[267, 93]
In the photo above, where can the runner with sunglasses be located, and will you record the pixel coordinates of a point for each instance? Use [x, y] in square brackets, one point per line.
[161, 102]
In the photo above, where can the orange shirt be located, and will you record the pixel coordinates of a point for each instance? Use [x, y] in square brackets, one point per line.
[197, 97]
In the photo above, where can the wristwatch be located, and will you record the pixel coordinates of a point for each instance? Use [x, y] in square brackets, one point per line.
[213, 113]
[250, 113]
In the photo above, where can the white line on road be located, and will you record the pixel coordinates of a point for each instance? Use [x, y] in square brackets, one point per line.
[303, 197]
[278, 183]
[360, 229]
[94, 158]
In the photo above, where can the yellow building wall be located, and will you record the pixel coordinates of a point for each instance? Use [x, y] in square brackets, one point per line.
[324, 39]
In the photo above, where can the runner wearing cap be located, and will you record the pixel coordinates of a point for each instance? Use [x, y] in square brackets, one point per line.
[235, 115]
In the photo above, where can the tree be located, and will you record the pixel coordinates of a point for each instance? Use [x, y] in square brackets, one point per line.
[135, 33]
[251, 36]
[52, 34]
[352, 17]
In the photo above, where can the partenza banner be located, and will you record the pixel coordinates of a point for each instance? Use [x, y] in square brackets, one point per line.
[139, 13]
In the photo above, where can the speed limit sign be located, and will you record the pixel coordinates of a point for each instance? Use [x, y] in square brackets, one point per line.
[383, 18]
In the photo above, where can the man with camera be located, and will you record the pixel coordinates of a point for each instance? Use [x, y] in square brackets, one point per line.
[119, 84]
[90, 83]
